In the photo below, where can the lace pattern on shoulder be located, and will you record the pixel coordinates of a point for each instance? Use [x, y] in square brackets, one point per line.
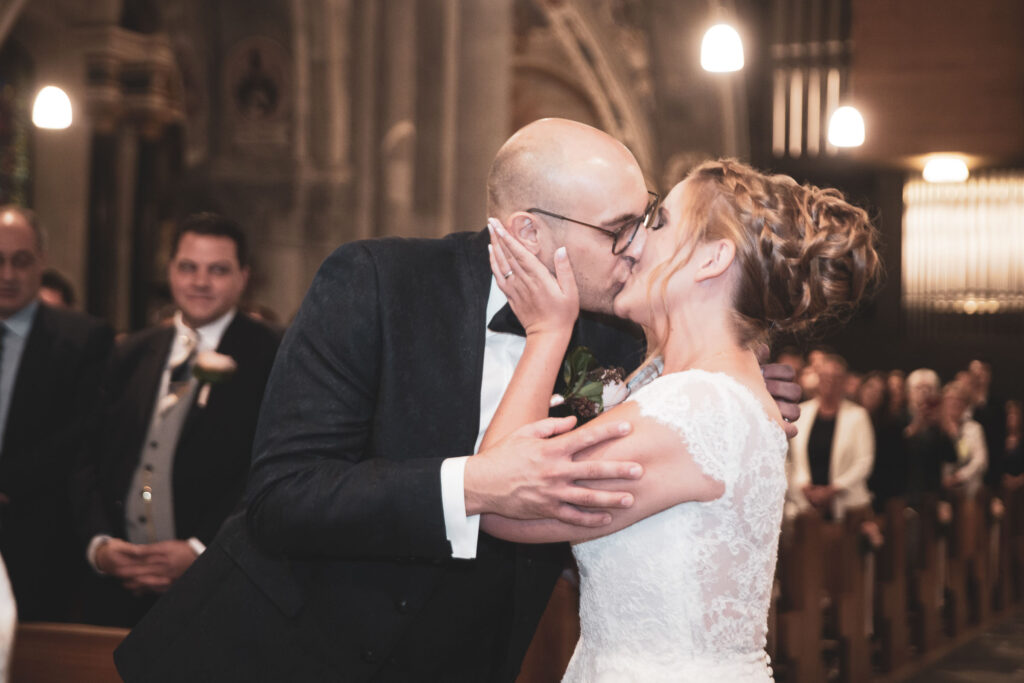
[703, 408]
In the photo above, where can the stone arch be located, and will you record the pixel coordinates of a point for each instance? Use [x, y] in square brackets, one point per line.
[569, 43]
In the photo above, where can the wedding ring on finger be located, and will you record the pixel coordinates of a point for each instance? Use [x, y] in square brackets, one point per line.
[508, 274]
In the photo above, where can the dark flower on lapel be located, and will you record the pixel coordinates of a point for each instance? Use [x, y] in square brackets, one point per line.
[591, 388]
[212, 368]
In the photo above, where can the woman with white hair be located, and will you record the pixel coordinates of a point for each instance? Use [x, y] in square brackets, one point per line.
[928, 447]
[922, 384]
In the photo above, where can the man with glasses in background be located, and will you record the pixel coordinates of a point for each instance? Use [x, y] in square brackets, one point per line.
[358, 556]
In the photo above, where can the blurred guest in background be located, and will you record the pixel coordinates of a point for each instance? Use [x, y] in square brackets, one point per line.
[966, 472]
[50, 366]
[791, 356]
[922, 390]
[852, 388]
[889, 476]
[808, 381]
[1013, 458]
[170, 453]
[56, 290]
[896, 383]
[990, 412]
[872, 394]
[831, 456]
[928, 447]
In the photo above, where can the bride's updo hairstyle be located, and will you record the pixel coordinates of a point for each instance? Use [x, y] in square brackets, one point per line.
[804, 253]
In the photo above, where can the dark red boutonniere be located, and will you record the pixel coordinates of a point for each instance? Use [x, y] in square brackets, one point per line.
[591, 388]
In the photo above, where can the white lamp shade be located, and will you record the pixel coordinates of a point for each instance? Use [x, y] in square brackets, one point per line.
[945, 168]
[721, 50]
[52, 108]
[846, 128]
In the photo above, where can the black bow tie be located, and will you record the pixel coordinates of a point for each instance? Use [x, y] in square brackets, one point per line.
[506, 321]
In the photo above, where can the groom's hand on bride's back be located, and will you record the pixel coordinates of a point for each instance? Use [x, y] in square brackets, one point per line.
[780, 379]
[531, 474]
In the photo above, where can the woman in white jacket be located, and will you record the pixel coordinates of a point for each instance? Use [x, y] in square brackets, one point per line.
[831, 457]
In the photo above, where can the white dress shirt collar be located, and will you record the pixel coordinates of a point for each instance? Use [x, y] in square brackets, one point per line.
[21, 322]
[209, 335]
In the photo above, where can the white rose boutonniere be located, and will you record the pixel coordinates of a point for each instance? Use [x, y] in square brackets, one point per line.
[211, 368]
[591, 388]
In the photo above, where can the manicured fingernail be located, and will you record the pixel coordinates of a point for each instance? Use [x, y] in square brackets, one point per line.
[489, 250]
[624, 427]
[626, 501]
[493, 223]
[635, 471]
[560, 254]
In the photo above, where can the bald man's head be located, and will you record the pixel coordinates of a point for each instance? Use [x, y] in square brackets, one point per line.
[554, 169]
[21, 259]
[544, 163]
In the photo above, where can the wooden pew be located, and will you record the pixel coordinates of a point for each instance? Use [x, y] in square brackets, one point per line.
[959, 554]
[891, 589]
[62, 653]
[845, 585]
[1003, 571]
[982, 572]
[1010, 569]
[925, 590]
[1015, 541]
[799, 615]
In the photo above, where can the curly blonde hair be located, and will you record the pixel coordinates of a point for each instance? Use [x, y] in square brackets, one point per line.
[803, 253]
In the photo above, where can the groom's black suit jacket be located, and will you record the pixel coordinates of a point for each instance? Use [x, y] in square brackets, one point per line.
[339, 569]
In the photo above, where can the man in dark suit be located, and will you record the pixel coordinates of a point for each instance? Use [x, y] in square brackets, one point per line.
[171, 449]
[50, 365]
[357, 557]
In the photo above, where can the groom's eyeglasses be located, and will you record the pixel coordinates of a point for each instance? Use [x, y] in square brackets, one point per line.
[623, 236]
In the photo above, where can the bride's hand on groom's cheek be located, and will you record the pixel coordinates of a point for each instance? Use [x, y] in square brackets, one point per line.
[530, 474]
[542, 302]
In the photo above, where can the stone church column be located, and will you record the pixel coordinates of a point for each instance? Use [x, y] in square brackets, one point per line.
[484, 109]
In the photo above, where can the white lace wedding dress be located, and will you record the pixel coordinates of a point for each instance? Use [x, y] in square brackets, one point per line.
[683, 595]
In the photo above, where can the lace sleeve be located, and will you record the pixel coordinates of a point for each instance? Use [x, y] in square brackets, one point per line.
[706, 411]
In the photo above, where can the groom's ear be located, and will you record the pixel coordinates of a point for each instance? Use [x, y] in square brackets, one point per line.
[714, 258]
[524, 227]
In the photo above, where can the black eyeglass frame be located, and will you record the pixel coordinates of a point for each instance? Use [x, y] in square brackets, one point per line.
[644, 220]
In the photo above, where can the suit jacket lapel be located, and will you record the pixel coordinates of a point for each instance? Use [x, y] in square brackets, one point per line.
[33, 375]
[475, 281]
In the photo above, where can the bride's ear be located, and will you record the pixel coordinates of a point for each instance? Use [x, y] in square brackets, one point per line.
[714, 258]
[523, 226]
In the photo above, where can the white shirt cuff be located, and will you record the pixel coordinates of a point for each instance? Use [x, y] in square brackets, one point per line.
[462, 531]
[93, 548]
[197, 546]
